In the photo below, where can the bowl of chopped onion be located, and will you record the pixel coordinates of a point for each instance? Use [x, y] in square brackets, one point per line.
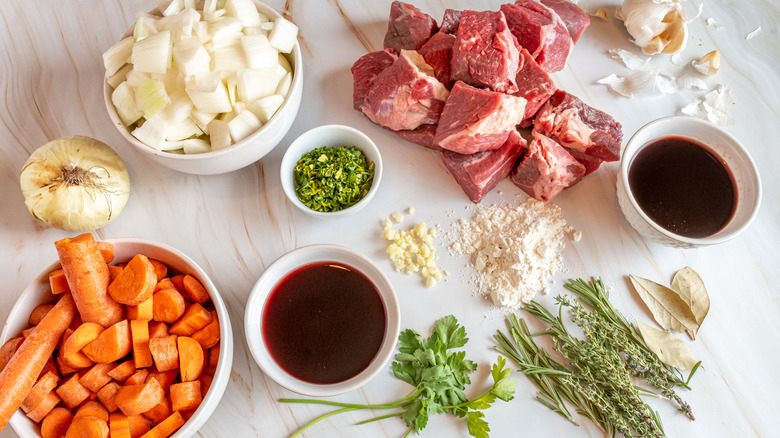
[205, 91]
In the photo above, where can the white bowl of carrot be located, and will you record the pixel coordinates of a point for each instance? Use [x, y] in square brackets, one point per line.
[146, 351]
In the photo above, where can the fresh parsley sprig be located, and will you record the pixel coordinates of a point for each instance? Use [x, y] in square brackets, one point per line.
[439, 376]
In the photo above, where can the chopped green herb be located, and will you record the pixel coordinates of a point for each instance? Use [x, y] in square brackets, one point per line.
[332, 179]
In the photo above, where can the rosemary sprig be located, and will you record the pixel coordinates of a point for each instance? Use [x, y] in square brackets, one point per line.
[599, 370]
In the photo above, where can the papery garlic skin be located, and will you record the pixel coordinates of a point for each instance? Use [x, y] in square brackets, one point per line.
[75, 183]
[656, 25]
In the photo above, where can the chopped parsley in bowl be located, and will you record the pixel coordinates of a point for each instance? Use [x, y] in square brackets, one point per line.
[331, 170]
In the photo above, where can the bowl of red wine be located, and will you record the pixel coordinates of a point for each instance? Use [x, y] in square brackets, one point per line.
[322, 320]
[685, 182]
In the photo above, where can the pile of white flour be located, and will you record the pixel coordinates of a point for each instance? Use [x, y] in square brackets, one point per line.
[514, 249]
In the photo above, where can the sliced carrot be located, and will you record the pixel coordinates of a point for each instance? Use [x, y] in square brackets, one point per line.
[185, 395]
[22, 371]
[213, 354]
[118, 425]
[88, 277]
[36, 316]
[56, 423]
[111, 345]
[64, 368]
[58, 282]
[157, 329]
[135, 284]
[159, 412]
[106, 250]
[72, 392]
[165, 283]
[113, 272]
[122, 371]
[139, 331]
[164, 378]
[208, 336]
[194, 318]
[143, 311]
[168, 305]
[194, 290]
[205, 384]
[97, 376]
[138, 425]
[160, 269]
[92, 409]
[178, 282]
[8, 349]
[87, 427]
[44, 407]
[137, 399]
[190, 358]
[139, 376]
[39, 391]
[164, 353]
[107, 394]
[167, 427]
[50, 367]
[72, 348]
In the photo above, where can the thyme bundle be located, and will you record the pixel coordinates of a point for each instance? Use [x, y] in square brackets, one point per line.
[597, 378]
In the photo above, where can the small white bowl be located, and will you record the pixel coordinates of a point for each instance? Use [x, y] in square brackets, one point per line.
[331, 136]
[39, 292]
[240, 154]
[733, 153]
[288, 263]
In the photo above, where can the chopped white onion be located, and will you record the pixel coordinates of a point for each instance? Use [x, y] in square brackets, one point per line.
[266, 107]
[283, 35]
[123, 99]
[153, 53]
[243, 124]
[117, 55]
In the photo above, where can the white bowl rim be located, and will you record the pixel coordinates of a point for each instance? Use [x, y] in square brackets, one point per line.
[296, 82]
[256, 304]
[19, 421]
[288, 185]
[718, 237]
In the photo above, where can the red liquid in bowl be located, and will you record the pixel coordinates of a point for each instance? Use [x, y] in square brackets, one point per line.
[324, 322]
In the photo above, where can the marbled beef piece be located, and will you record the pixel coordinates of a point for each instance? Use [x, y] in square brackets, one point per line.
[422, 135]
[450, 21]
[408, 28]
[573, 16]
[405, 95]
[437, 52]
[365, 70]
[577, 126]
[546, 169]
[479, 173]
[534, 84]
[541, 31]
[486, 53]
[476, 119]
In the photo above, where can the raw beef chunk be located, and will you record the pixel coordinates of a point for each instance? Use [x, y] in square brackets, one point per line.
[476, 120]
[450, 22]
[573, 16]
[591, 164]
[535, 85]
[579, 127]
[409, 28]
[546, 169]
[364, 71]
[405, 95]
[541, 31]
[486, 53]
[438, 54]
[422, 135]
[479, 173]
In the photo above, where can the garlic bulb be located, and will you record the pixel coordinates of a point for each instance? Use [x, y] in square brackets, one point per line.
[656, 25]
[75, 183]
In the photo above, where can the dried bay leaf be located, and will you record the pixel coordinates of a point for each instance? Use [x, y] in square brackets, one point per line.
[689, 285]
[667, 307]
[669, 349]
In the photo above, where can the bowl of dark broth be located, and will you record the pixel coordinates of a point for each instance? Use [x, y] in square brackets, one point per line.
[684, 182]
[322, 320]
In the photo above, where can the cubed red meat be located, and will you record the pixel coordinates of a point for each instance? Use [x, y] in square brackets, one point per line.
[546, 169]
[422, 135]
[408, 28]
[365, 70]
[541, 31]
[450, 21]
[533, 83]
[437, 52]
[573, 16]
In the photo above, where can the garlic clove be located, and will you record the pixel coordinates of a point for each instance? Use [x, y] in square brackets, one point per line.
[709, 64]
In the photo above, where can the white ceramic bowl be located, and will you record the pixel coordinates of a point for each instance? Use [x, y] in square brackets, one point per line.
[124, 249]
[277, 271]
[239, 154]
[331, 136]
[734, 154]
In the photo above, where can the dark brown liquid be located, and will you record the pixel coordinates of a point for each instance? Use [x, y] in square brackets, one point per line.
[324, 322]
[683, 187]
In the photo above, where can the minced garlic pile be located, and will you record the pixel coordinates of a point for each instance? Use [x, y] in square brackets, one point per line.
[412, 250]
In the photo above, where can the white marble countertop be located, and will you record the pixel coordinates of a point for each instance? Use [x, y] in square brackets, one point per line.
[234, 225]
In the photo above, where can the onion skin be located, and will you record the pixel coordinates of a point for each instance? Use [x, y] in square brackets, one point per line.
[75, 183]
